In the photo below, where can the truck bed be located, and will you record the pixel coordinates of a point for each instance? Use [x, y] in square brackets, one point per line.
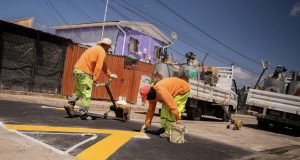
[274, 101]
[200, 91]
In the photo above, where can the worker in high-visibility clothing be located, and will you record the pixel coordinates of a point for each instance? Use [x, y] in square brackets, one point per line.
[86, 72]
[173, 93]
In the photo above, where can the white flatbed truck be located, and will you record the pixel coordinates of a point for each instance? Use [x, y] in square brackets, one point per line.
[219, 100]
[279, 109]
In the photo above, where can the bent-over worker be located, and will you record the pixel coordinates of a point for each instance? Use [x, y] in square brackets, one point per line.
[173, 93]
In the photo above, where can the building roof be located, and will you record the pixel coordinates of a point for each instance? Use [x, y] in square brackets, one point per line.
[20, 30]
[143, 27]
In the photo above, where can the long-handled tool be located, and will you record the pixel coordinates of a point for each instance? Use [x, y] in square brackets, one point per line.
[122, 112]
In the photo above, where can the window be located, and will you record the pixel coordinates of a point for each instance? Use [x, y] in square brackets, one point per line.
[157, 50]
[130, 63]
[133, 45]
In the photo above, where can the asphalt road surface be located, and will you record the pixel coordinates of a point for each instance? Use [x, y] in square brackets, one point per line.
[105, 138]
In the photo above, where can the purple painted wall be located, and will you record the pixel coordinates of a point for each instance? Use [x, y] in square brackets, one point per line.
[91, 35]
[146, 45]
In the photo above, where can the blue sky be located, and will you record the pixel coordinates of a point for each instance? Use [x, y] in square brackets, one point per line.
[257, 29]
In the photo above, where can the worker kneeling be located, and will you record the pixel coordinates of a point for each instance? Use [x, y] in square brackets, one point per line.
[173, 93]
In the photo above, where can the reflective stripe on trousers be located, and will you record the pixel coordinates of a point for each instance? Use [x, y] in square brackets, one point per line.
[166, 117]
[83, 86]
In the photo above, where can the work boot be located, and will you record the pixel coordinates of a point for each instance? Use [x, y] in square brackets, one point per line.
[144, 128]
[69, 108]
[164, 135]
[86, 117]
[160, 131]
[83, 111]
[73, 98]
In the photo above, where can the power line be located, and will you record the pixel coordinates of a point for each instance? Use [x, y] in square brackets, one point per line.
[47, 12]
[50, 3]
[51, 12]
[177, 52]
[123, 15]
[167, 27]
[93, 6]
[203, 50]
[143, 17]
[81, 10]
[207, 34]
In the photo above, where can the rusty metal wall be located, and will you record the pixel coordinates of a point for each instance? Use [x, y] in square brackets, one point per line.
[72, 55]
[142, 69]
[126, 85]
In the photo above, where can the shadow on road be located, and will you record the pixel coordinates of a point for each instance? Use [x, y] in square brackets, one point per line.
[284, 130]
[144, 113]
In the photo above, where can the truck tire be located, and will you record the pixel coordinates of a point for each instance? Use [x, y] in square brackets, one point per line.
[189, 113]
[194, 113]
[226, 116]
[262, 124]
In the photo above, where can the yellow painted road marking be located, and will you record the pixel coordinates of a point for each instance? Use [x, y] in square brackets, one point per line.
[99, 151]
[103, 149]
[59, 108]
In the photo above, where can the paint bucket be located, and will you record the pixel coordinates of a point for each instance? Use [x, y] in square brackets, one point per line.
[177, 133]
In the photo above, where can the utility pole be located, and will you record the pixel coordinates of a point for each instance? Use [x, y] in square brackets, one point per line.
[104, 19]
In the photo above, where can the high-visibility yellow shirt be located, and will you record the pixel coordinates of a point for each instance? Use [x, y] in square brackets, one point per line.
[166, 89]
[92, 62]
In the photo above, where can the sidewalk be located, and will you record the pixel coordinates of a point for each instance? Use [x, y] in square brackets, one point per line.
[59, 101]
[14, 146]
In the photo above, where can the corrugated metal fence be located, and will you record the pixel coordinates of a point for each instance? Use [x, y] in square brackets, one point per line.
[126, 85]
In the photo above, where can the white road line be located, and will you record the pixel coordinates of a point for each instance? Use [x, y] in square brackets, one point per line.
[34, 140]
[81, 143]
[94, 136]
[1, 125]
[48, 107]
[145, 136]
[71, 134]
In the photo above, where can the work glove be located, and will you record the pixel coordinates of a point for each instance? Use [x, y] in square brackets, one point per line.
[96, 84]
[178, 121]
[113, 76]
[144, 128]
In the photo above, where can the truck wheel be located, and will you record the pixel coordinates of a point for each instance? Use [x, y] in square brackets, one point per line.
[194, 113]
[262, 124]
[226, 116]
[189, 113]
